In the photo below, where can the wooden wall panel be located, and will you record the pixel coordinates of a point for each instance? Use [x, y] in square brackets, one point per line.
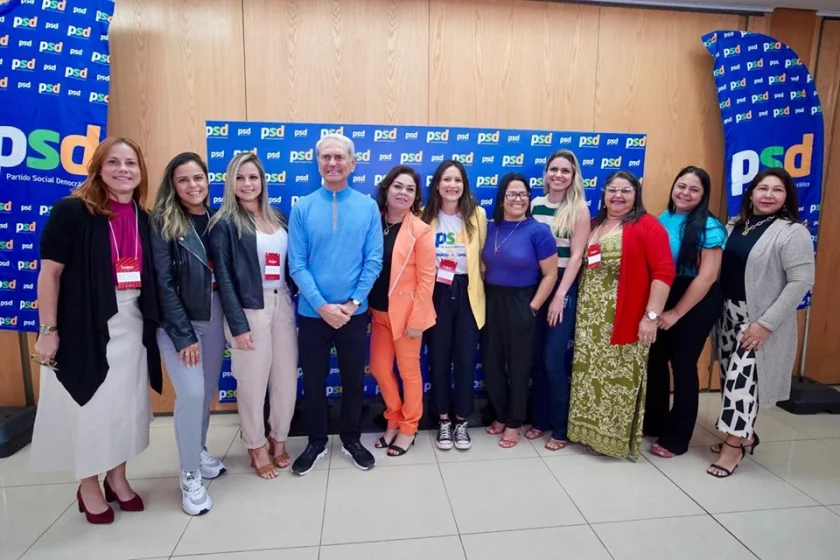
[643, 86]
[518, 64]
[11, 373]
[828, 76]
[758, 24]
[337, 60]
[798, 29]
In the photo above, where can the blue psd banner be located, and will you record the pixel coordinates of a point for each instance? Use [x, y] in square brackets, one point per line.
[54, 80]
[772, 117]
[288, 152]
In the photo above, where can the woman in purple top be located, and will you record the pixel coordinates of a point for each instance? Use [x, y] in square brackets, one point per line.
[520, 268]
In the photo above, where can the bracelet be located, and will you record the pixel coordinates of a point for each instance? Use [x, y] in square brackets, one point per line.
[47, 329]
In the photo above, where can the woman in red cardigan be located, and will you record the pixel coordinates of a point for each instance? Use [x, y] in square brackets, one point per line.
[625, 283]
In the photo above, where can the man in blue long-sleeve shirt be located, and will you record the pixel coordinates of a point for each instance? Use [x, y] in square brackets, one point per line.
[335, 255]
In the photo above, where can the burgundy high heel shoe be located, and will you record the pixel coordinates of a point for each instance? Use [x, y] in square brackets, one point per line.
[134, 504]
[103, 518]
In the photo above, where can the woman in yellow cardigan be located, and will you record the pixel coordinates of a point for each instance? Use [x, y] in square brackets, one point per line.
[460, 228]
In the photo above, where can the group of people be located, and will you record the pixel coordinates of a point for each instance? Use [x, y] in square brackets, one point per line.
[595, 311]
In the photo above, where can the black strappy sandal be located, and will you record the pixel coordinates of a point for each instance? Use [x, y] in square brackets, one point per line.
[399, 451]
[756, 440]
[724, 469]
[382, 443]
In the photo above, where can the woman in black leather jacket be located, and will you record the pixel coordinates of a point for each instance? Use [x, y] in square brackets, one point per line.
[191, 337]
[249, 240]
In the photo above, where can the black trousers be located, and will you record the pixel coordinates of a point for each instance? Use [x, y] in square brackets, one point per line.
[507, 350]
[680, 346]
[453, 341]
[315, 340]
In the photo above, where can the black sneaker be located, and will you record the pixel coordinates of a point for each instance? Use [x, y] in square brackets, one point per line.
[444, 435]
[462, 436]
[307, 460]
[362, 458]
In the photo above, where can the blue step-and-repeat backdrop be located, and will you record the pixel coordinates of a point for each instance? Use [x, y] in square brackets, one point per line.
[287, 151]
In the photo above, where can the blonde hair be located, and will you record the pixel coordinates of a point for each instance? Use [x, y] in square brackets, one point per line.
[232, 210]
[168, 214]
[566, 215]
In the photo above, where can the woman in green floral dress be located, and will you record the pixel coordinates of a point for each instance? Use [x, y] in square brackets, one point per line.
[623, 289]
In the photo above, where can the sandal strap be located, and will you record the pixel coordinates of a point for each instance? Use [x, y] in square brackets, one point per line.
[724, 469]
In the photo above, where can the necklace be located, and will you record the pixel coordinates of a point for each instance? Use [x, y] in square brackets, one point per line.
[496, 244]
[387, 229]
[748, 228]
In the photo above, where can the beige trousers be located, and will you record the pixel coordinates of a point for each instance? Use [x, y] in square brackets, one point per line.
[272, 365]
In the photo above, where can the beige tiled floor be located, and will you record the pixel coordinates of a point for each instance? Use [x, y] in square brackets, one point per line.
[488, 503]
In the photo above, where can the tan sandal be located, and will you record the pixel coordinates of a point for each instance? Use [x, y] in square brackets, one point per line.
[281, 461]
[555, 444]
[263, 471]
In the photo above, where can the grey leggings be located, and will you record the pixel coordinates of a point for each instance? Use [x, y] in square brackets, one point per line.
[195, 386]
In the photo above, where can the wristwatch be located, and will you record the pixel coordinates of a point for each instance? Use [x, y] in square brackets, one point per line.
[47, 329]
[356, 302]
[651, 315]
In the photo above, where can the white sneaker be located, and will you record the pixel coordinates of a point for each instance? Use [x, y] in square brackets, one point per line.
[210, 467]
[194, 497]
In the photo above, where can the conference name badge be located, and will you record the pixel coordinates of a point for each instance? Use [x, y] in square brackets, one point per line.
[593, 256]
[272, 266]
[446, 272]
[128, 273]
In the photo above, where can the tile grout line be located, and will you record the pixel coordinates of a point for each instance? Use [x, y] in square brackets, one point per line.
[446, 489]
[60, 515]
[330, 442]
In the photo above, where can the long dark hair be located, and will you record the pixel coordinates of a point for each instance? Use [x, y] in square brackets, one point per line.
[499, 205]
[168, 214]
[789, 210]
[694, 227]
[466, 205]
[385, 184]
[635, 213]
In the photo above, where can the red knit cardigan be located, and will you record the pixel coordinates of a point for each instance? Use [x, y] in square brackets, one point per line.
[645, 257]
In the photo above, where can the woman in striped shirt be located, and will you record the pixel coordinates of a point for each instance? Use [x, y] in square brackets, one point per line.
[564, 210]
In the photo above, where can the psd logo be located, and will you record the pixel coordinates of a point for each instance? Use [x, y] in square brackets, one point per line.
[216, 177]
[10, 285]
[49, 89]
[273, 133]
[386, 157]
[795, 159]
[44, 210]
[243, 132]
[301, 133]
[760, 97]
[816, 110]
[791, 62]
[589, 141]
[611, 163]
[437, 136]
[23, 64]
[54, 5]
[6, 207]
[711, 41]
[755, 65]
[777, 79]
[411, 157]
[466, 159]
[52, 48]
[359, 133]
[743, 117]
[4, 40]
[588, 161]
[487, 181]
[785, 112]
[275, 199]
[25, 23]
[720, 71]
[8, 321]
[732, 51]
[329, 131]
[363, 157]
[76, 73]
[738, 84]
[4, 82]
[25, 228]
[27, 265]
[302, 156]
[101, 98]
[102, 17]
[536, 182]
[100, 58]
[217, 131]
[590, 183]
[513, 161]
[489, 137]
[29, 304]
[275, 178]
[636, 142]
[7, 245]
[79, 32]
[777, 46]
[387, 135]
[801, 94]
[726, 104]
[541, 139]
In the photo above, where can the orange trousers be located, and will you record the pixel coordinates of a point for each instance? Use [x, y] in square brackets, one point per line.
[402, 414]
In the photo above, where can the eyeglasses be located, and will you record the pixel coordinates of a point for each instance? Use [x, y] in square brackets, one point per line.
[622, 190]
[523, 195]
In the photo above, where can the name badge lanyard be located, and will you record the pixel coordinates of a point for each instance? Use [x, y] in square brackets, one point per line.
[128, 268]
[593, 253]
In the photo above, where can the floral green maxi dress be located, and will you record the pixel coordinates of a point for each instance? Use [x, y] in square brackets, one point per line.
[606, 405]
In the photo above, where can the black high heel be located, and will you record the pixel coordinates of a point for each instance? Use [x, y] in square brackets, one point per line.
[756, 440]
[724, 469]
[399, 451]
[382, 443]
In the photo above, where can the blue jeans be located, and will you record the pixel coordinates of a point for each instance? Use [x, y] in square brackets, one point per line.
[552, 370]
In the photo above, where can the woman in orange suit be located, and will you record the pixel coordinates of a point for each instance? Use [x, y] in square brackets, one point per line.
[401, 306]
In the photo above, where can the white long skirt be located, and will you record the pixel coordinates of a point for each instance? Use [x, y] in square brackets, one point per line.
[113, 426]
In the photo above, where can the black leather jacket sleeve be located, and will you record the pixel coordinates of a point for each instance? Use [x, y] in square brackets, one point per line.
[221, 248]
[173, 315]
